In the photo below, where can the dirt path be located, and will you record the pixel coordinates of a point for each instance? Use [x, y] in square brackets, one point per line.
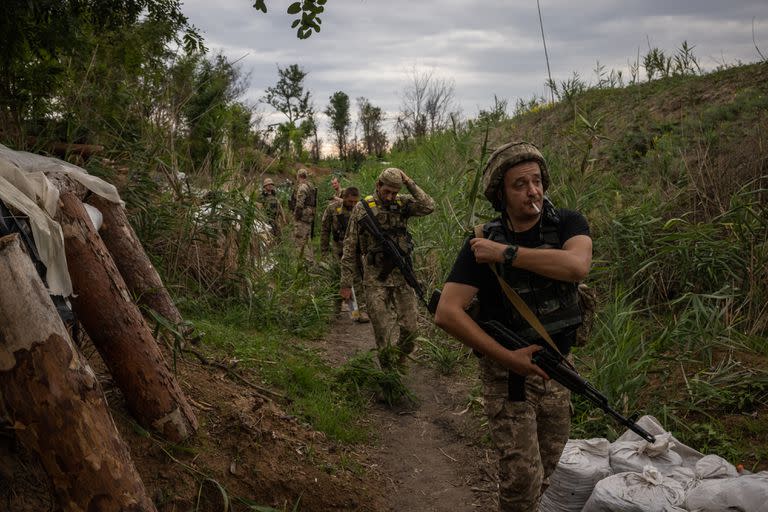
[429, 451]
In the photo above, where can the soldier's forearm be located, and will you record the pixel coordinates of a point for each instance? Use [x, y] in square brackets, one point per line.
[423, 204]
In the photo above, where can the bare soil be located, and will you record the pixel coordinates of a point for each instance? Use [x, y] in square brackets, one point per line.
[429, 452]
[424, 456]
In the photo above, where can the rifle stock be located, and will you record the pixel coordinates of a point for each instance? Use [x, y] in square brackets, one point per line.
[559, 370]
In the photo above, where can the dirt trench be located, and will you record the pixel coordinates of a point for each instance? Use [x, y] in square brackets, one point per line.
[431, 452]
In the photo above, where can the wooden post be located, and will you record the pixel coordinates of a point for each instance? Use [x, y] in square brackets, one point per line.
[54, 401]
[138, 272]
[115, 325]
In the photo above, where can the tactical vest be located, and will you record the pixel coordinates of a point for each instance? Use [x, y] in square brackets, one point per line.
[392, 218]
[340, 223]
[311, 197]
[270, 205]
[555, 303]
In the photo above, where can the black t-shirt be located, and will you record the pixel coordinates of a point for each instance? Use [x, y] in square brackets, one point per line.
[493, 302]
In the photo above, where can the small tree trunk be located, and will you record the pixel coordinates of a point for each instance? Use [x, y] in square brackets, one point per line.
[140, 276]
[115, 325]
[53, 399]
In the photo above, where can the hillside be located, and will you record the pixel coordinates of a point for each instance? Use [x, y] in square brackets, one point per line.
[672, 175]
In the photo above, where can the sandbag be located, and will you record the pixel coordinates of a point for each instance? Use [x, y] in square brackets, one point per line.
[583, 463]
[747, 493]
[652, 425]
[633, 456]
[649, 491]
[714, 466]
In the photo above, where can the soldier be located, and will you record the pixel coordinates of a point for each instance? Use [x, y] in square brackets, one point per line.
[336, 186]
[385, 287]
[272, 207]
[541, 252]
[334, 226]
[304, 214]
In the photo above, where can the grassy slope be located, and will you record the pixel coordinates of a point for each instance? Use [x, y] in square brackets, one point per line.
[680, 333]
[669, 174]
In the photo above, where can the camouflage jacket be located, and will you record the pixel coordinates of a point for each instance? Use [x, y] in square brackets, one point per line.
[306, 200]
[394, 221]
[334, 225]
[272, 208]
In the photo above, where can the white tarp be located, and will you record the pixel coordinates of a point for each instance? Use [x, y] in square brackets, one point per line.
[25, 187]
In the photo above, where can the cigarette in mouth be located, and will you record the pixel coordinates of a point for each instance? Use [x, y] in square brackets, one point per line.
[535, 207]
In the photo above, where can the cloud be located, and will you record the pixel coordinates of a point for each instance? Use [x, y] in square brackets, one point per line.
[487, 47]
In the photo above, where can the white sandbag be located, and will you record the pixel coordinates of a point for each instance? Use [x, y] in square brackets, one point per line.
[714, 466]
[583, 463]
[649, 491]
[748, 493]
[633, 456]
[681, 474]
[652, 425]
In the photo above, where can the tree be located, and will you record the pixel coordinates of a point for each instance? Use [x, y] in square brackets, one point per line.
[309, 130]
[427, 106]
[338, 112]
[289, 98]
[208, 112]
[371, 118]
[38, 38]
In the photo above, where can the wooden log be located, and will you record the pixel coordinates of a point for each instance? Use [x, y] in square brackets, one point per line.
[53, 399]
[114, 323]
[138, 272]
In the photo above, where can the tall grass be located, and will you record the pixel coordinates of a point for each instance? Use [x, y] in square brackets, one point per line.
[677, 211]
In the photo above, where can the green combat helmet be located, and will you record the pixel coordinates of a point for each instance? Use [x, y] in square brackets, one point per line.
[391, 177]
[504, 157]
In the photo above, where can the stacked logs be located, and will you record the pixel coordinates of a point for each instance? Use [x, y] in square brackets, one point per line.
[47, 390]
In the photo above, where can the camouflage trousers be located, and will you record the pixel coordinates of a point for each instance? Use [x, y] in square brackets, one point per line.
[357, 278]
[301, 235]
[393, 312]
[528, 434]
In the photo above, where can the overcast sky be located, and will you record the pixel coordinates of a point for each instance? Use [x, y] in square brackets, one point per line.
[487, 47]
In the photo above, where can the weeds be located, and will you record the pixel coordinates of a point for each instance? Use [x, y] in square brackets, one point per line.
[444, 355]
[362, 377]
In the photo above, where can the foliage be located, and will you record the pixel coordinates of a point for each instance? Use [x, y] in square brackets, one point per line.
[427, 106]
[340, 119]
[370, 119]
[39, 40]
[308, 22]
[290, 99]
[288, 96]
[211, 115]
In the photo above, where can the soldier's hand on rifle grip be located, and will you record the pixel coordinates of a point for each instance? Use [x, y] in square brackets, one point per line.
[346, 293]
[520, 362]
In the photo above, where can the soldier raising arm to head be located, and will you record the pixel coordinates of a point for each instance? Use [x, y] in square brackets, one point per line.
[385, 287]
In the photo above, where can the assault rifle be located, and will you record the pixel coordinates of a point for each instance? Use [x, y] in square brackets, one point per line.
[561, 371]
[393, 252]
